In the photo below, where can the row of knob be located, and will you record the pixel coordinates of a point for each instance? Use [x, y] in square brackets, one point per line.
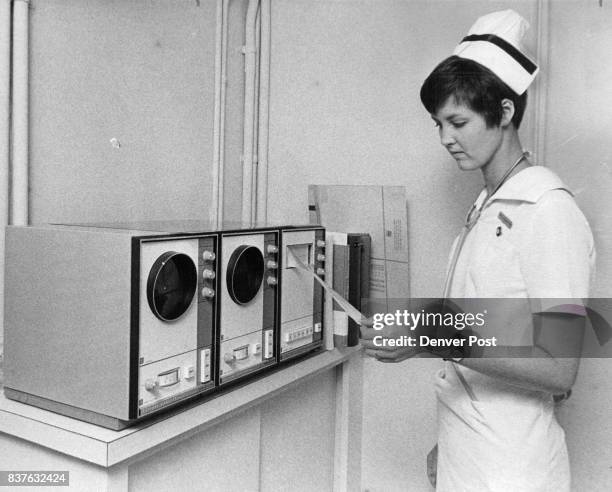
[208, 274]
[320, 257]
[271, 280]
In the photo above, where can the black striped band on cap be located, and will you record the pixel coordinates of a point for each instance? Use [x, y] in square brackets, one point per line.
[525, 62]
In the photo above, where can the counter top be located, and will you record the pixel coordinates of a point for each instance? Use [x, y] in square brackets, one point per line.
[106, 447]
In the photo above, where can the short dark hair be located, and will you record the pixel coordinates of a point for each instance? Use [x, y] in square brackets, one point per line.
[473, 85]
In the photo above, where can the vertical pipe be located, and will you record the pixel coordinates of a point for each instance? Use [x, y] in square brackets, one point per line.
[249, 108]
[19, 147]
[255, 122]
[543, 9]
[221, 175]
[5, 84]
[264, 111]
[216, 171]
[5, 81]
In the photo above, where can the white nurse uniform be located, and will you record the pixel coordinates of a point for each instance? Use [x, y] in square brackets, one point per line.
[531, 241]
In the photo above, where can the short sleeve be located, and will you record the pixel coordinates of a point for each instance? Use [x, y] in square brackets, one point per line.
[557, 257]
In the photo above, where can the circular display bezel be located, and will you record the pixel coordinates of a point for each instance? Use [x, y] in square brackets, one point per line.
[245, 272]
[179, 269]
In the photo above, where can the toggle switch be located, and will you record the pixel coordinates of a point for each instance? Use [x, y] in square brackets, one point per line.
[151, 384]
[188, 372]
[205, 366]
[268, 344]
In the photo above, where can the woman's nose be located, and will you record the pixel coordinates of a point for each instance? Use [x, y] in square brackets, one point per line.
[446, 136]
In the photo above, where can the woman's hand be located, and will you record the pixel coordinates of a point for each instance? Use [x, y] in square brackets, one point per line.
[389, 344]
[396, 342]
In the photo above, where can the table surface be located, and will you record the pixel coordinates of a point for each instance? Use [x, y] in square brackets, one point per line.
[107, 447]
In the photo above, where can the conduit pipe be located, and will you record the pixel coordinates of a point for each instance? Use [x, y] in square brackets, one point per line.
[220, 210]
[264, 113]
[216, 169]
[249, 51]
[5, 119]
[542, 55]
[19, 148]
[255, 122]
[5, 109]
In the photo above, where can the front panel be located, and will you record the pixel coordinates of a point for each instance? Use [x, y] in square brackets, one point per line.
[248, 302]
[301, 296]
[177, 315]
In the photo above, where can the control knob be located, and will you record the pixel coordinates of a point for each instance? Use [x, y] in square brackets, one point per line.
[208, 293]
[208, 274]
[272, 281]
[208, 256]
[272, 249]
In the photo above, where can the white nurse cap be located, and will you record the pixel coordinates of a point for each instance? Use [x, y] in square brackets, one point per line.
[494, 41]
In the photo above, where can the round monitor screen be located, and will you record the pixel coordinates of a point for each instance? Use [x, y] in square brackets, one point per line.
[171, 285]
[245, 272]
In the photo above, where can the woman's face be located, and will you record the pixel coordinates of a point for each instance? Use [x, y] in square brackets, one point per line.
[466, 136]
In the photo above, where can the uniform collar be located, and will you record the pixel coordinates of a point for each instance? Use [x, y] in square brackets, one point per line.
[529, 185]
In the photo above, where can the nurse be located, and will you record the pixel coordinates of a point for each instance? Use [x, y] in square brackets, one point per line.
[524, 237]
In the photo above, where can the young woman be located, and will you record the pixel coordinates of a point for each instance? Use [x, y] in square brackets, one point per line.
[524, 238]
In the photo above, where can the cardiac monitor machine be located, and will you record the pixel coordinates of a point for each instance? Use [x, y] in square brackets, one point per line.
[111, 323]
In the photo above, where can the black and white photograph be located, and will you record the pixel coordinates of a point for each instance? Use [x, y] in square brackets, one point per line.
[306, 245]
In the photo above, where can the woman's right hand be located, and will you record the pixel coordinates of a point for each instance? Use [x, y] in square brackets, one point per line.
[375, 341]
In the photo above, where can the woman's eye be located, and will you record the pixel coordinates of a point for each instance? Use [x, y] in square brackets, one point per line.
[459, 124]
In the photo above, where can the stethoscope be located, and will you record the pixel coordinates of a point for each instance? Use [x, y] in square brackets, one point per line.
[470, 221]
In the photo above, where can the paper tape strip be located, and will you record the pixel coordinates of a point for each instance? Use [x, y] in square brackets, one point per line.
[348, 308]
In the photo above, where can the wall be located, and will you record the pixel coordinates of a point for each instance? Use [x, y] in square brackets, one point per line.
[345, 109]
[578, 122]
[234, 112]
[121, 110]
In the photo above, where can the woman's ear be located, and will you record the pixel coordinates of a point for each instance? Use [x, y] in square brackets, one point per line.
[507, 112]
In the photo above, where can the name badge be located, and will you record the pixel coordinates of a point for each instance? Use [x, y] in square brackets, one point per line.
[505, 220]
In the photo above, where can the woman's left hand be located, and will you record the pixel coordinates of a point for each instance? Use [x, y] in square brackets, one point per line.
[389, 344]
